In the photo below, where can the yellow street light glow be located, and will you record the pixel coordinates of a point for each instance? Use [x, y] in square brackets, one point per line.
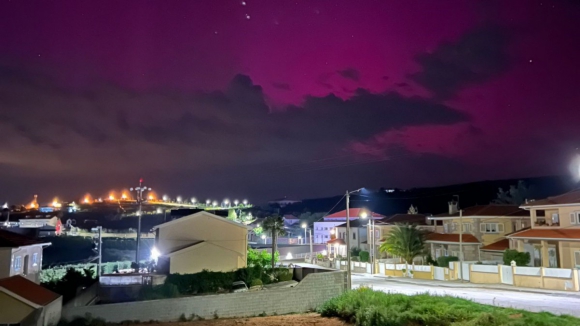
[123, 196]
[111, 197]
[364, 214]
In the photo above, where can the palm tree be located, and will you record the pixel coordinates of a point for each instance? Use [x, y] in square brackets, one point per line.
[274, 224]
[405, 241]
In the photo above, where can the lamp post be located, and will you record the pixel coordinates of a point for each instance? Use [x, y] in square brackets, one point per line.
[364, 215]
[305, 227]
[139, 190]
[348, 235]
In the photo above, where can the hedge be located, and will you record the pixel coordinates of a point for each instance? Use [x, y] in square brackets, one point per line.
[364, 256]
[444, 260]
[55, 274]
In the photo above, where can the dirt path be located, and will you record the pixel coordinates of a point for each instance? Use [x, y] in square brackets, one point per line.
[294, 320]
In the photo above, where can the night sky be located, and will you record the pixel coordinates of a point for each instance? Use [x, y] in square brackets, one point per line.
[262, 98]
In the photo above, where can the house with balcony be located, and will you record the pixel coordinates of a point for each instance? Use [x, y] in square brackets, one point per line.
[553, 240]
[323, 229]
[483, 231]
[20, 255]
[384, 226]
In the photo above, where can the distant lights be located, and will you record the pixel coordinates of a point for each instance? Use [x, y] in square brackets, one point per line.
[207, 202]
[215, 203]
[245, 202]
[236, 202]
[179, 199]
[165, 198]
[193, 200]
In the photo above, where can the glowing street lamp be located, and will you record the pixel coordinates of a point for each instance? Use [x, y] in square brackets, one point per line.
[305, 227]
[208, 202]
[124, 196]
[165, 198]
[111, 197]
[236, 202]
[179, 199]
[264, 238]
[193, 200]
[215, 203]
[245, 202]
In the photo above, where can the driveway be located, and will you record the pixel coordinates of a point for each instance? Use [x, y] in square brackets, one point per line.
[554, 303]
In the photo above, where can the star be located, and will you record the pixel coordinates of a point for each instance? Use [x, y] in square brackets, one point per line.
[247, 16]
[243, 3]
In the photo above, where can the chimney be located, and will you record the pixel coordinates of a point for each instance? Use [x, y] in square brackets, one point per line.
[453, 207]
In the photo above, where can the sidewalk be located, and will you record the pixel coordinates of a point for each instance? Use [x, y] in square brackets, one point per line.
[459, 284]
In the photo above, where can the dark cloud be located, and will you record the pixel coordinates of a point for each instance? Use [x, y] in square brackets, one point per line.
[402, 85]
[476, 57]
[350, 73]
[282, 86]
[112, 131]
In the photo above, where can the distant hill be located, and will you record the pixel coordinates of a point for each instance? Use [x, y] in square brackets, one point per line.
[434, 200]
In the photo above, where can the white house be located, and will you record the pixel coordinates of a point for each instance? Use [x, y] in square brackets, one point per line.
[20, 255]
[323, 230]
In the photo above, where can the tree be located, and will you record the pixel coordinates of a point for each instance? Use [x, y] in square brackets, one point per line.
[413, 210]
[232, 216]
[405, 241]
[275, 225]
[516, 195]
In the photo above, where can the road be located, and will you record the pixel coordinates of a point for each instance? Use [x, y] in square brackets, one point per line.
[536, 302]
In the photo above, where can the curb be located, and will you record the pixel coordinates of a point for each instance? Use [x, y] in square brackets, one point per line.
[471, 286]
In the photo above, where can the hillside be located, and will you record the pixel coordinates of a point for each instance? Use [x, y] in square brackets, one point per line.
[433, 200]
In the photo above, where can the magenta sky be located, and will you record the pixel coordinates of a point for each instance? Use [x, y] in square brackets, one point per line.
[95, 95]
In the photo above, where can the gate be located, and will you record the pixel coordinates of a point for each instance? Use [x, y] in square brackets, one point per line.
[465, 271]
[507, 275]
[439, 273]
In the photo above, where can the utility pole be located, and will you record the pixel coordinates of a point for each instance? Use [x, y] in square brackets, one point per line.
[461, 244]
[100, 244]
[310, 232]
[139, 191]
[348, 276]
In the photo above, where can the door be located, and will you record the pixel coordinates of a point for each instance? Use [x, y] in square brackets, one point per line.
[552, 257]
[507, 276]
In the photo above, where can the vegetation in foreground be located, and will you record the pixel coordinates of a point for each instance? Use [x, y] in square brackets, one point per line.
[365, 307]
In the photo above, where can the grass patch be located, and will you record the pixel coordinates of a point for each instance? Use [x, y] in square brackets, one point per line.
[365, 307]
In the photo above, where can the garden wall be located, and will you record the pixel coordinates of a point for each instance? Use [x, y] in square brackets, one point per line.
[314, 290]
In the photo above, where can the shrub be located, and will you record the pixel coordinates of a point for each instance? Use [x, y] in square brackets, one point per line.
[320, 257]
[430, 260]
[354, 252]
[521, 258]
[444, 260]
[364, 256]
[256, 282]
[164, 291]
[73, 279]
[366, 307]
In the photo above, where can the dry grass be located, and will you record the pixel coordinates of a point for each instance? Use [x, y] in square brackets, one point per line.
[294, 320]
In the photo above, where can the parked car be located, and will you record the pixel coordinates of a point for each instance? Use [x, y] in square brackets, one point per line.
[239, 286]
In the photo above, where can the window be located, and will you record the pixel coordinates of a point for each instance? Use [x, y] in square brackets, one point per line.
[354, 236]
[491, 227]
[466, 227]
[326, 236]
[35, 259]
[577, 258]
[17, 263]
[325, 229]
[555, 218]
[574, 218]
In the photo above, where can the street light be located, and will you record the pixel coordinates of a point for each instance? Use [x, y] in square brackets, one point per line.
[245, 202]
[165, 198]
[139, 191]
[179, 199]
[193, 200]
[264, 238]
[305, 227]
[236, 202]
[363, 214]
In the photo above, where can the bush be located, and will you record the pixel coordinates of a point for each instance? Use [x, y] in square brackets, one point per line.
[354, 252]
[364, 256]
[444, 260]
[164, 291]
[256, 282]
[375, 308]
[72, 280]
[319, 257]
[521, 258]
[431, 261]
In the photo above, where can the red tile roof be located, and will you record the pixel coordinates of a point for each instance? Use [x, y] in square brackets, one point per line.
[28, 290]
[490, 210]
[572, 197]
[500, 245]
[13, 240]
[443, 237]
[418, 219]
[569, 234]
[337, 241]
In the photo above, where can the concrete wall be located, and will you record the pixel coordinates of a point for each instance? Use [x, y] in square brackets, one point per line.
[84, 297]
[13, 311]
[52, 312]
[314, 290]
[567, 250]
[484, 278]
